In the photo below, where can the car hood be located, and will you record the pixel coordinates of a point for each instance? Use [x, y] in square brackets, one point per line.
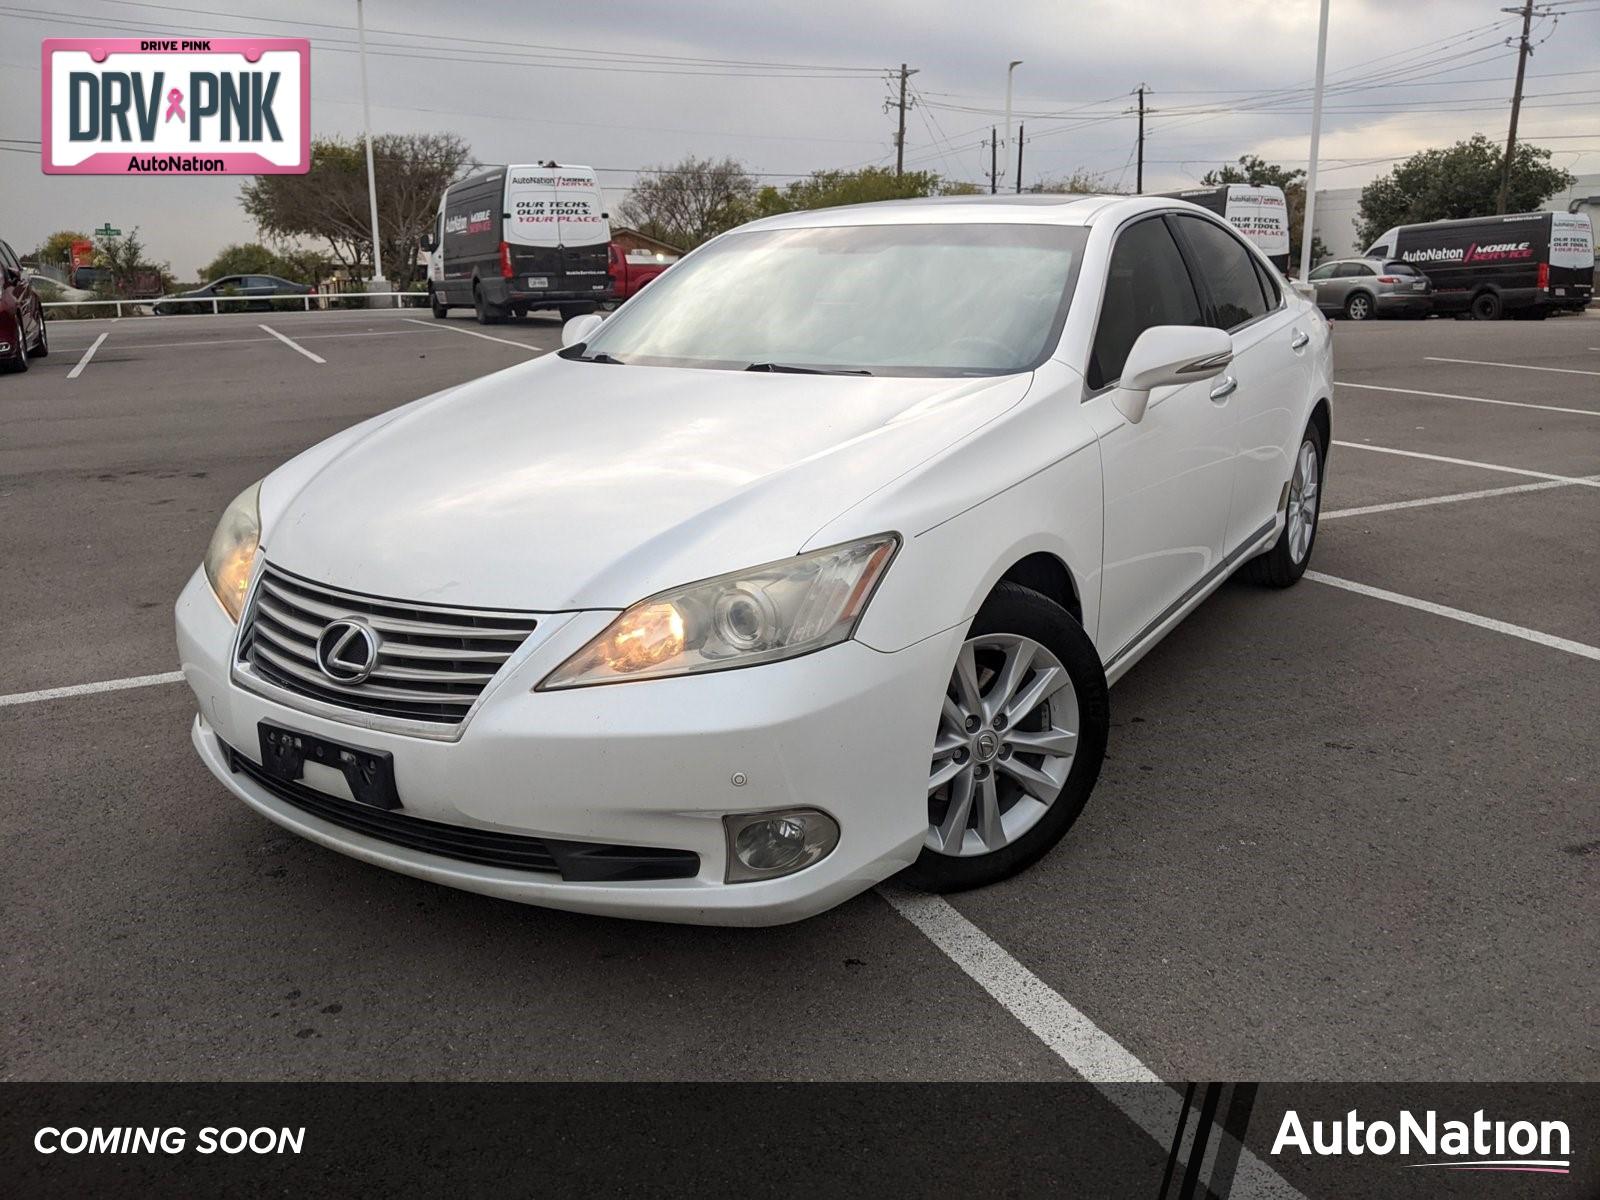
[565, 485]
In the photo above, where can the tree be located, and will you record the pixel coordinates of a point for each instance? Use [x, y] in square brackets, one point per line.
[1462, 180]
[1257, 172]
[330, 203]
[131, 273]
[691, 201]
[253, 258]
[829, 189]
[56, 250]
[1079, 183]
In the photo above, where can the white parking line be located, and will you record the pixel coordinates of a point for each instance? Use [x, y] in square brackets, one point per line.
[1372, 387]
[1474, 362]
[1368, 509]
[1086, 1048]
[474, 333]
[294, 345]
[1078, 1041]
[89, 689]
[87, 355]
[198, 343]
[1467, 462]
[1456, 614]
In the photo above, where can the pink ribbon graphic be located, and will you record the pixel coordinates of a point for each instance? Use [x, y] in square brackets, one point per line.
[175, 105]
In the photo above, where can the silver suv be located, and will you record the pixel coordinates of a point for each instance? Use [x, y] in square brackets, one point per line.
[1363, 288]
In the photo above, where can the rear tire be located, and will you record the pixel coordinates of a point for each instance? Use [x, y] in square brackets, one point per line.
[997, 806]
[1358, 307]
[1283, 565]
[1486, 307]
[487, 314]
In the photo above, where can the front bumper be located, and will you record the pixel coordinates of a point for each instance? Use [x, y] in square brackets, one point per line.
[847, 730]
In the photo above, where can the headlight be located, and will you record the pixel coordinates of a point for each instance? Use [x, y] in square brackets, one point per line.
[776, 611]
[232, 551]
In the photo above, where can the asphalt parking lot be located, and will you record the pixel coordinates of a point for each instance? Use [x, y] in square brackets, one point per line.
[1348, 831]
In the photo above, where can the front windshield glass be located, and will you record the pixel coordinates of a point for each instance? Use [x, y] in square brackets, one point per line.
[930, 299]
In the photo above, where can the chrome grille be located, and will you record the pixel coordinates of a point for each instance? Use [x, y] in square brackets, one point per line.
[433, 662]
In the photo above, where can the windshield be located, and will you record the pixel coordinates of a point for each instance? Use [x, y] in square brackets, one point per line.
[932, 299]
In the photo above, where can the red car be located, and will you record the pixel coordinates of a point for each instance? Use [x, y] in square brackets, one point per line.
[22, 329]
[628, 275]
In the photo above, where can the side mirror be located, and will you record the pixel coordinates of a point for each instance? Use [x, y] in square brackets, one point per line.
[580, 329]
[1168, 356]
[428, 243]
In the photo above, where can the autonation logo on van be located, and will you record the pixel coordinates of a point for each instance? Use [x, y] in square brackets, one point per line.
[1480, 1144]
[176, 106]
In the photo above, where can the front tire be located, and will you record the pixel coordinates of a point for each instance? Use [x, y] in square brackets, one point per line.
[42, 350]
[1019, 744]
[440, 309]
[1283, 565]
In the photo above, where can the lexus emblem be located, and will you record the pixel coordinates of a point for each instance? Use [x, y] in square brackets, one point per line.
[347, 650]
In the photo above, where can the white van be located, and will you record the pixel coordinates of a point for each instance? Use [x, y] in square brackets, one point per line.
[513, 238]
[1259, 212]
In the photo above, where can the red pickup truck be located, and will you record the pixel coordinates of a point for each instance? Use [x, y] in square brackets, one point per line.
[630, 272]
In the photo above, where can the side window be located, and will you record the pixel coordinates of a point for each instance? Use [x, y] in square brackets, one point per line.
[1147, 284]
[1226, 266]
[1325, 271]
[1400, 268]
[8, 258]
[1360, 269]
[1267, 274]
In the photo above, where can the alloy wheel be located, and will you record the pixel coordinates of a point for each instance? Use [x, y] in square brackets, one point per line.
[1007, 737]
[1360, 308]
[1303, 498]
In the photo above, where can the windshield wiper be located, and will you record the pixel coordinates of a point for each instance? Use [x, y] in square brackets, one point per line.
[790, 369]
[576, 354]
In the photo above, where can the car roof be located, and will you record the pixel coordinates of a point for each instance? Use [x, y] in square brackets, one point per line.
[1026, 209]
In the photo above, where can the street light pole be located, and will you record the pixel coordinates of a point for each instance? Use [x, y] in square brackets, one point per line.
[1316, 139]
[1012, 66]
[372, 175]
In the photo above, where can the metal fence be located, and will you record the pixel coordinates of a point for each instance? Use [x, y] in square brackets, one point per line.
[318, 301]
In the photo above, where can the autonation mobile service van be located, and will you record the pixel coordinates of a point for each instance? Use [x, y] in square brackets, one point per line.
[524, 236]
[1260, 212]
[1521, 265]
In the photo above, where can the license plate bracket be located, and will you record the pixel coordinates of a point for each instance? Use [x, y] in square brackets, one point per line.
[370, 773]
[539, 282]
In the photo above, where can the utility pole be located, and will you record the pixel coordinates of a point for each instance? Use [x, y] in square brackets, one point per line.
[900, 135]
[372, 176]
[1316, 142]
[1010, 68]
[1020, 140]
[1516, 104]
[1138, 176]
[994, 160]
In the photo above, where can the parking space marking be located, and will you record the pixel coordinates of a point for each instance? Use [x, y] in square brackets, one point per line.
[1474, 362]
[1457, 614]
[87, 355]
[1456, 498]
[1372, 387]
[1076, 1040]
[1580, 480]
[295, 346]
[89, 689]
[1089, 1050]
[304, 337]
[474, 333]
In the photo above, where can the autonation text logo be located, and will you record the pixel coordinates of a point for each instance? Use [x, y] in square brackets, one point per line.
[1476, 1145]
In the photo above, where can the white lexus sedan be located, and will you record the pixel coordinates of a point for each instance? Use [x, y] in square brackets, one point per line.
[809, 566]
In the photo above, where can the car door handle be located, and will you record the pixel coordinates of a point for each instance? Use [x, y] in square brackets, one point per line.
[1224, 387]
[1301, 337]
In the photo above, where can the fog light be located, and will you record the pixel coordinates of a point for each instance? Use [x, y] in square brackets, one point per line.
[767, 845]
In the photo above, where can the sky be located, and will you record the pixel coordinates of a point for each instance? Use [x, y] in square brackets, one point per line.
[788, 88]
